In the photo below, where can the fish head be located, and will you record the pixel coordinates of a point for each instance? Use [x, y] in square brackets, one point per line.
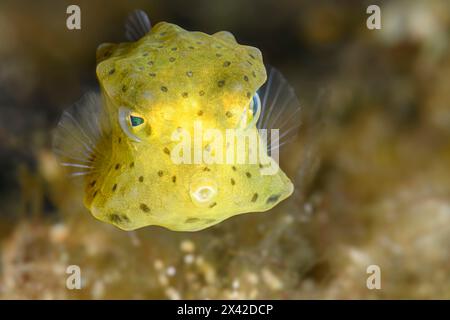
[172, 99]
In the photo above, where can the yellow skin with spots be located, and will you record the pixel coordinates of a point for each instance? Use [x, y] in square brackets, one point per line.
[171, 78]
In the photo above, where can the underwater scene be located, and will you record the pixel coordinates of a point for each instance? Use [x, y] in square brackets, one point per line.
[109, 191]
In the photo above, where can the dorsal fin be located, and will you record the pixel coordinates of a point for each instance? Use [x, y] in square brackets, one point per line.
[79, 136]
[280, 108]
[137, 25]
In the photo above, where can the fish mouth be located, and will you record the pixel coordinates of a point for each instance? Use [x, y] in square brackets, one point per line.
[203, 191]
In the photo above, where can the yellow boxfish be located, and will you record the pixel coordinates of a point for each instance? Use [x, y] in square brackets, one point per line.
[158, 86]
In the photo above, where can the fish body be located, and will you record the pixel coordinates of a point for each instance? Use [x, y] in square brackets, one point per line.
[168, 81]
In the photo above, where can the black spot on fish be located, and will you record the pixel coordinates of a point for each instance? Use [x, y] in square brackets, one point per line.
[220, 83]
[232, 182]
[206, 169]
[152, 74]
[115, 218]
[184, 94]
[93, 183]
[253, 74]
[160, 173]
[132, 165]
[171, 59]
[201, 93]
[166, 150]
[124, 88]
[95, 193]
[251, 56]
[212, 205]
[114, 187]
[119, 140]
[141, 179]
[191, 220]
[150, 63]
[111, 71]
[273, 198]
[164, 89]
[245, 78]
[226, 63]
[145, 54]
[228, 114]
[174, 49]
[255, 197]
[144, 208]
[234, 168]
[248, 94]
[248, 174]
[174, 179]
[200, 112]
[249, 63]
[118, 218]
[191, 47]
[189, 74]
[117, 166]
[218, 55]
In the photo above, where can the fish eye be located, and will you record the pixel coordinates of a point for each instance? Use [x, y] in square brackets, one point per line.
[130, 123]
[251, 113]
[255, 105]
[136, 121]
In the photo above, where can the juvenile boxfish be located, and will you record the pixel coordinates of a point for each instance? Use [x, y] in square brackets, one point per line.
[164, 80]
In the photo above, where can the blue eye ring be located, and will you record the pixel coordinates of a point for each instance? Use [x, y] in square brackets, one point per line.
[255, 108]
[136, 121]
[124, 118]
[256, 104]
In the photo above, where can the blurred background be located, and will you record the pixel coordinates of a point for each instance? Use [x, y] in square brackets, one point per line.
[371, 166]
